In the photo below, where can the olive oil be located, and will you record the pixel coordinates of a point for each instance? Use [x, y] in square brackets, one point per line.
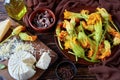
[16, 9]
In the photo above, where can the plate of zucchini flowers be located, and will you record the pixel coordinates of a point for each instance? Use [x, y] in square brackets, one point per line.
[87, 37]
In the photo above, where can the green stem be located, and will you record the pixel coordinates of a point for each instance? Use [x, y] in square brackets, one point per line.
[114, 26]
[94, 55]
[91, 34]
[82, 27]
[6, 39]
[91, 60]
[59, 43]
[104, 33]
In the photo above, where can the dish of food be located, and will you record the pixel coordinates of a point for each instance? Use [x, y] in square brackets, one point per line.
[66, 70]
[42, 19]
[87, 37]
[22, 54]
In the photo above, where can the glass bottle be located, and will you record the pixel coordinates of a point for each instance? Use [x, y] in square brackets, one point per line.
[16, 9]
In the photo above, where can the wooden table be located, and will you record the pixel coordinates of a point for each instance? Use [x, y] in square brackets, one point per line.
[48, 39]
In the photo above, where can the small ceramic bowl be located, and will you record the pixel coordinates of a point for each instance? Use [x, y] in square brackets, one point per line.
[66, 70]
[42, 20]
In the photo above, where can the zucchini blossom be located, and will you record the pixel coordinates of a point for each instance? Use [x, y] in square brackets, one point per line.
[82, 15]
[105, 15]
[87, 27]
[95, 20]
[58, 30]
[105, 51]
[83, 39]
[18, 29]
[115, 34]
[76, 48]
[88, 35]
[70, 26]
[26, 37]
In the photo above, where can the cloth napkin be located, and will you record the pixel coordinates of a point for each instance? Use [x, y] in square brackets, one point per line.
[108, 69]
[58, 6]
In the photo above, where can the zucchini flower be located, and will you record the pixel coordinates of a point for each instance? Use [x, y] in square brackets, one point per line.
[67, 44]
[62, 35]
[58, 30]
[106, 51]
[115, 34]
[82, 15]
[90, 53]
[92, 48]
[105, 15]
[69, 27]
[25, 36]
[116, 41]
[92, 22]
[98, 32]
[85, 14]
[87, 27]
[77, 49]
[83, 39]
[93, 18]
[17, 30]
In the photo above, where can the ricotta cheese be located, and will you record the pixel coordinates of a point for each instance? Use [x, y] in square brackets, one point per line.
[13, 46]
[20, 65]
[44, 61]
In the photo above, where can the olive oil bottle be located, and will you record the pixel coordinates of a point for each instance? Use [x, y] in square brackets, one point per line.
[16, 9]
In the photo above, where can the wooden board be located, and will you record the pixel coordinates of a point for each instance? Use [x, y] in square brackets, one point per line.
[38, 45]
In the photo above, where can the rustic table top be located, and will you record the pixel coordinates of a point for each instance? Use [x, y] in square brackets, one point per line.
[48, 39]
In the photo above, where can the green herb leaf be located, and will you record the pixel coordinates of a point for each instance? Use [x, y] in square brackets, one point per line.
[2, 66]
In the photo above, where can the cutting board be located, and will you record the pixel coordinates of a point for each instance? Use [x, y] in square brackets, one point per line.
[38, 45]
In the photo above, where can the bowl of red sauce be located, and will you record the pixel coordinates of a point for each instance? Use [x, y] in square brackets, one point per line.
[42, 19]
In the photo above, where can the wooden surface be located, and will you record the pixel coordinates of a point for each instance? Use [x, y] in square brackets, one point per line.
[37, 45]
[48, 40]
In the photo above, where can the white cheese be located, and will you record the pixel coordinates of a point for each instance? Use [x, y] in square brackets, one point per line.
[4, 27]
[44, 61]
[13, 46]
[20, 65]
